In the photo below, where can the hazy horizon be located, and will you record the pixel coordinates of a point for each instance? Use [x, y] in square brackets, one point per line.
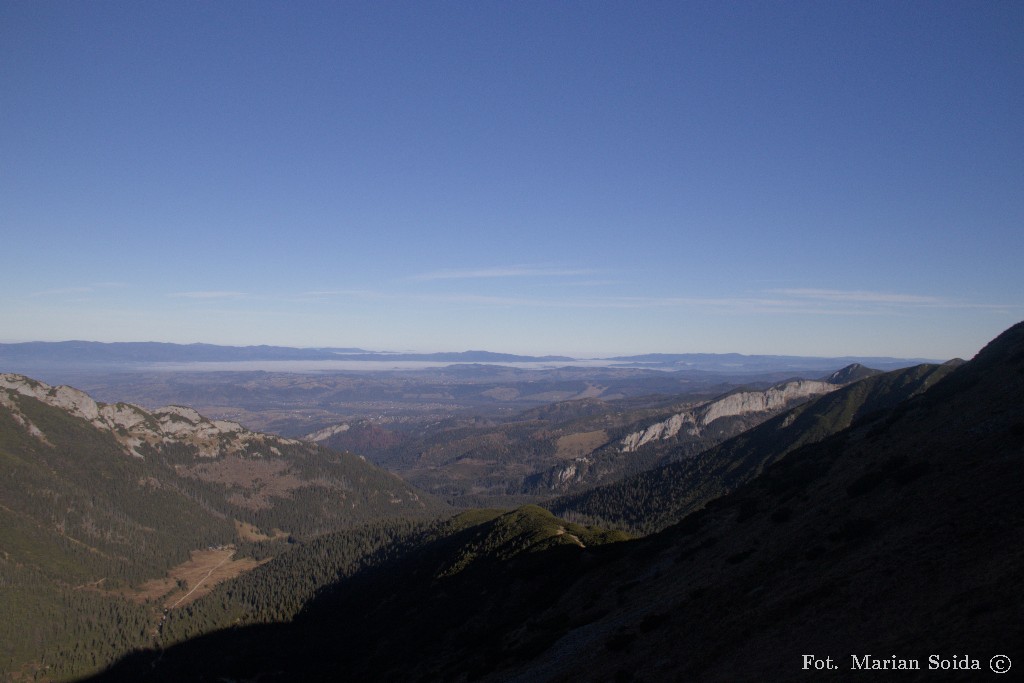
[344, 361]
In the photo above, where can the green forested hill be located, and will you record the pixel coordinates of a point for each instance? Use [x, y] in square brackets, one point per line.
[95, 500]
[78, 508]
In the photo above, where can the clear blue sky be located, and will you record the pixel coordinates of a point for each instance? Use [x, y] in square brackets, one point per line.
[816, 178]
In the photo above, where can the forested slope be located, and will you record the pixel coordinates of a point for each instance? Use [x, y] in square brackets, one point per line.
[97, 499]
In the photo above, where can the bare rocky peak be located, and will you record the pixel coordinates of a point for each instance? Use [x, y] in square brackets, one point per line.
[133, 426]
[69, 399]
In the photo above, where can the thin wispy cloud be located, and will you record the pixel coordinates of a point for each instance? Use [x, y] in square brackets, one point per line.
[878, 300]
[612, 302]
[501, 272]
[592, 283]
[859, 296]
[793, 301]
[80, 289]
[326, 293]
[61, 291]
[772, 302]
[724, 304]
[217, 294]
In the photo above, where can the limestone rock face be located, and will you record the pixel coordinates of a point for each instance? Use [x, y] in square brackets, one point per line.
[327, 432]
[72, 400]
[776, 397]
[695, 420]
[661, 430]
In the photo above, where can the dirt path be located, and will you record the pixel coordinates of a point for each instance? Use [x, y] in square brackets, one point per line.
[562, 532]
[199, 583]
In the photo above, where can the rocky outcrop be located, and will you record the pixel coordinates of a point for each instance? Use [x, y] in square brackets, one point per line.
[775, 398]
[695, 420]
[661, 430]
[135, 427]
[327, 432]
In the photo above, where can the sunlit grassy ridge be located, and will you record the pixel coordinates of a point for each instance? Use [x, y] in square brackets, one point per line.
[528, 529]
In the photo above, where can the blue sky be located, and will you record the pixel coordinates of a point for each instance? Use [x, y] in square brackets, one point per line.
[816, 178]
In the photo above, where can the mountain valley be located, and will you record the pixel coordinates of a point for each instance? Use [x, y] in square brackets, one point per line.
[898, 534]
[854, 511]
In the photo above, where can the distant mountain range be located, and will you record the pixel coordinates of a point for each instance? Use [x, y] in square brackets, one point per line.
[155, 352]
[18, 357]
[159, 352]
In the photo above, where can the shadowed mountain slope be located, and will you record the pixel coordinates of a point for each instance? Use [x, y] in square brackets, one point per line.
[654, 499]
[679, 435]
[902, 535]
[434, 608]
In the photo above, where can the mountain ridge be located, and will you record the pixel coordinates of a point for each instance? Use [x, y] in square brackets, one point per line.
[134, 426]
[737, 402]
[685, 433]
[679, 488]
